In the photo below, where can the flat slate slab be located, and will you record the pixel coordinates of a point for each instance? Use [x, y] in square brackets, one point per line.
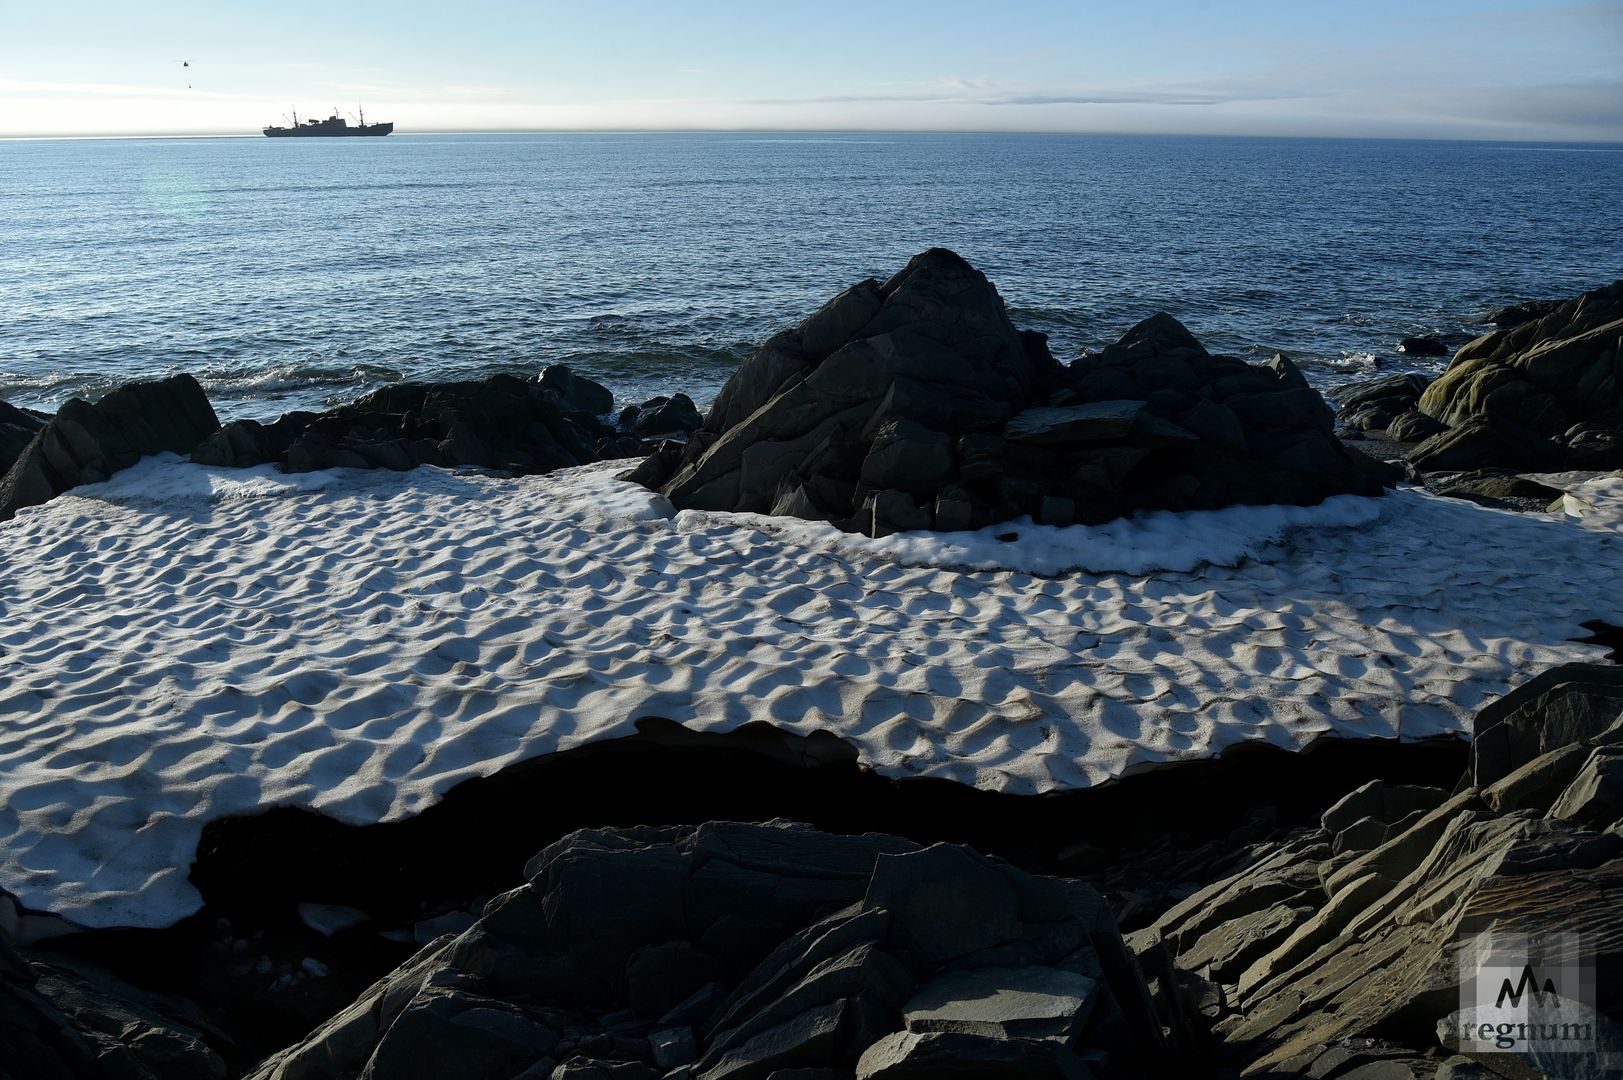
[1097, 421]
[1033, 1002]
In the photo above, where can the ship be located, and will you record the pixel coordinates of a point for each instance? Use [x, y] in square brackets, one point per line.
[334, 126]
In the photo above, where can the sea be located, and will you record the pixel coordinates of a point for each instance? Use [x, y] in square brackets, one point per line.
[300, 273]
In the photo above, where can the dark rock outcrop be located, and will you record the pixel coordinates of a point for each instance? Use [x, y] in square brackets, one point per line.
[1422, 346]
[741, 952]
[501, 422]
[67, 1020]
[662, 418]
[243, 443]
[1546, 393]
[1513, 315]
[85, 443]
[1336, 949]
[1376, 405]
[17, 429]
[916, 403]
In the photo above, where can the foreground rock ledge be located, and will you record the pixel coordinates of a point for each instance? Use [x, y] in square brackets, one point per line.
[742, 952]
[916, 404]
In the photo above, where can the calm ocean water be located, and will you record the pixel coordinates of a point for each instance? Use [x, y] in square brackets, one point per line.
[299, 273]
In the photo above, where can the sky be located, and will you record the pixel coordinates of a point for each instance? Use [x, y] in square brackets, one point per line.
[1519, 69]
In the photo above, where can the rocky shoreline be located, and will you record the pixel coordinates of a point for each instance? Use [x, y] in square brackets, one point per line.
[779, 910]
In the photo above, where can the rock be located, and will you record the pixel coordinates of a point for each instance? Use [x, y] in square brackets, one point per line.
[1032, 1002]
[17, 429]
[888, 512]
[1422, 346]
[908, 457]
[927, 1055]
[575, 393]
[245, 443]
[1385, 803]
[1595, 796]
[916, 403]
[1486, 442]
[1531, 383]
[1513, 315]
[589, 1069]
[1100, 421]
[1374, 405]
[1574, 704]
[85, 443]
[661, 977]
[66, 1018]
[1414, 426]
[1535, 785]
[819, 941]
[330, 919]
[445, 1032]
[1493, 487]
[451, 922]
[673, 1046]
[674, 417]
[501, 422]
[1328, 957]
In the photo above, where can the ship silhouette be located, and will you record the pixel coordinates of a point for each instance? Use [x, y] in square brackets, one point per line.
[334, 126]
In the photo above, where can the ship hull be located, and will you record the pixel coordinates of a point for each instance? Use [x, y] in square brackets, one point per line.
[341, 133]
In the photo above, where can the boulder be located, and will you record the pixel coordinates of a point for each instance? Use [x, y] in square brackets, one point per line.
[849, 939]
[245, 443]
[1422, 346]
[1494, 487]
[916, 404]
[1513, 315]
[1537, 380]
[674, 417]
[17, 429]
[85, 443]
[501, 422]
[1373, 406]
[575, 393]
[1486, 442]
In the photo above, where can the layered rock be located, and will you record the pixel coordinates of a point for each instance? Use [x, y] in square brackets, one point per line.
[741, 952]
[916, 403]
[1338, 948]
[1546, 393]
[85, 443]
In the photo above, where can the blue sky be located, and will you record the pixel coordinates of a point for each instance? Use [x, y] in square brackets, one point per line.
[1420, 68]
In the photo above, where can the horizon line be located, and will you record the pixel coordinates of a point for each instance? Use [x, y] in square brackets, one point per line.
[632, 130]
